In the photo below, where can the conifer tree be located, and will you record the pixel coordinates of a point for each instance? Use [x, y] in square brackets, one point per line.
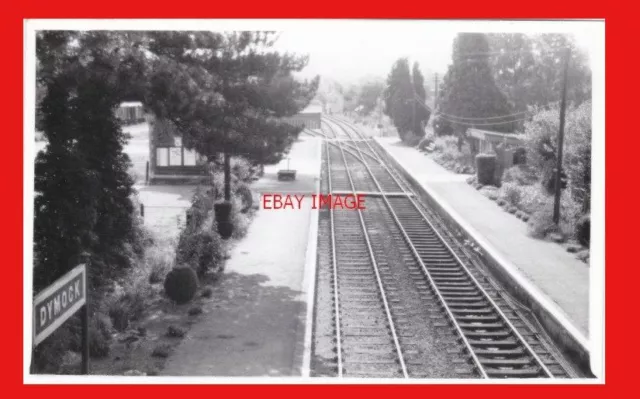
[470, 94]
[422, 113]
[399, 98]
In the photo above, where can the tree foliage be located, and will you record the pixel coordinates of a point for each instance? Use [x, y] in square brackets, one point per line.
[529, 68]
[542, 136]
[369, 96]
[226, 93]
[399, 97]
[82, 186]
[422, 113]
[469, 93]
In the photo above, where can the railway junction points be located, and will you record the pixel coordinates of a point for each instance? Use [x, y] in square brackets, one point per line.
[394, 290]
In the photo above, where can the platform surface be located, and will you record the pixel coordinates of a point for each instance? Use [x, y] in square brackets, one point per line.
[556, 273]
[258, 328]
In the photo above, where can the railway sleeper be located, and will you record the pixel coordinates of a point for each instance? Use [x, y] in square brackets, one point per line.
[532, 372]
[488, 334]
[494, 343]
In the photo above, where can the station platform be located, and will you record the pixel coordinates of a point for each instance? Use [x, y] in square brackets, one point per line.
[553, 281]
[256, 323]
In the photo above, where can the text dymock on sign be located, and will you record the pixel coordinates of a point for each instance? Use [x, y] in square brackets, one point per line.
[56, 303]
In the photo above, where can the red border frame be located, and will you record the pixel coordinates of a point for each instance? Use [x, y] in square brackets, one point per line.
[620, 366]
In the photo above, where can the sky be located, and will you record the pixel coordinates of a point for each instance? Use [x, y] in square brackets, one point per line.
[349, 51]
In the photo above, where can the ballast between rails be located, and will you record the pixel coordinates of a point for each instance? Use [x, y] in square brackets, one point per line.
[513, 331]
[374, 265]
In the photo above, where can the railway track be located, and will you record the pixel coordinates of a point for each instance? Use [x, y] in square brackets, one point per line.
[394, 274]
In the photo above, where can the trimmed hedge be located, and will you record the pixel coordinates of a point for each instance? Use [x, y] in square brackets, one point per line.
[181, 284]
[583, 230]
[486, 168]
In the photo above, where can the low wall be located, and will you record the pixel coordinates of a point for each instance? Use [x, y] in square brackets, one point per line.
[564, 335]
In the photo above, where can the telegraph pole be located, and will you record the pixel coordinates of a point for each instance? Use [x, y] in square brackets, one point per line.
[563, 104]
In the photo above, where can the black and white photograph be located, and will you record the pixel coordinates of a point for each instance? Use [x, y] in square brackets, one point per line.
[318, 201]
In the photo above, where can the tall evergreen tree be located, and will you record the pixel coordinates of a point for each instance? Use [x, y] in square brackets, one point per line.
[226, 93]
[470, 94]
[82, 186]
[399, 98]
[422, 113]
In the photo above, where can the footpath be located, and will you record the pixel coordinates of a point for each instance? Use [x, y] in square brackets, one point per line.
[255, 324]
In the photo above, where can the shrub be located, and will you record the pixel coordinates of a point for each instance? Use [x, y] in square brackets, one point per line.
[523, 175]
[240, 220]
[532, 198]
[119, 315]
[181, 284]
[159, 260]
[99, 336]
[223, 219]
[246, 197]
[485, 167]
[490, 192]
[201, 250]
[426, 144]
[241, 169]
[583, 230]
[541, 222]
[511, 193]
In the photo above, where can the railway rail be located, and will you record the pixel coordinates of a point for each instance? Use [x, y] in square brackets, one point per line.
[384, 289]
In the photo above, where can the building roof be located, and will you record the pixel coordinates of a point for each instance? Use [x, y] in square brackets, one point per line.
[128, 104]
[312, 109]
[511, 138]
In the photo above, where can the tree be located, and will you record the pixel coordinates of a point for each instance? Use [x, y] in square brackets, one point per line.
[82, 186]
[528, 69]
[470, 96]
[369, 95]
[399, 98]
[422, 113]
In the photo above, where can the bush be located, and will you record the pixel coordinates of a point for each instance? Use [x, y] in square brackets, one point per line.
[159, 260]
[511, 193]
[583, 230]
[99, 336]
[541, 222]
[200, 250]
[239, 220]
[181, 284]
[486, 167]
[246, 197]
[490, 192]
[241, 169]
[520, 174]
[223, 219]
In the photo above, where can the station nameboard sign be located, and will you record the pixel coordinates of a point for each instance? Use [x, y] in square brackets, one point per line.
[56, 303]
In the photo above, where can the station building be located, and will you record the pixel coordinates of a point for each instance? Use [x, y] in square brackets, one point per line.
[130, 112]
[170, 161]
[308, 118]
[501, 144]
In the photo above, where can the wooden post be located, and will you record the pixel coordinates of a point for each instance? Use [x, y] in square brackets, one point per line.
[563, 104]
[85, 317]
[146, 179]
[227, 177]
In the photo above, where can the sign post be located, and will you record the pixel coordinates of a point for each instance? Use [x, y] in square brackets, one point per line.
[57, 303]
